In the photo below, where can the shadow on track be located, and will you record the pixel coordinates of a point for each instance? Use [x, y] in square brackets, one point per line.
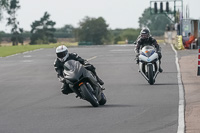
[156, 84]
[104, 106]
[166, 84]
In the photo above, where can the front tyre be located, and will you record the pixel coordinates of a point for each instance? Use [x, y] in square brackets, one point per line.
[88, 94]
[150, 74]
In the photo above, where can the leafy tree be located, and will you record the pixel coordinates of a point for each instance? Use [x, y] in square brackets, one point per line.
[4, 4]
[12, 21]
[1, 33]
[156, 23]
[65, 32]
[93, 30]
[43, 30]
[130, 34]
[125, 34]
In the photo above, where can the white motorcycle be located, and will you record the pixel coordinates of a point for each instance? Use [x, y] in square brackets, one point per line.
[149, 63]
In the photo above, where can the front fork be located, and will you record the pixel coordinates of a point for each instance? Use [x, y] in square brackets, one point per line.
[143, 69]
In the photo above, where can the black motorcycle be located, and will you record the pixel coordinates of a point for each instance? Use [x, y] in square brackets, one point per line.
[83, 82]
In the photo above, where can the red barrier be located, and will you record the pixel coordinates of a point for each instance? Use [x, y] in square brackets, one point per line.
[198, 73]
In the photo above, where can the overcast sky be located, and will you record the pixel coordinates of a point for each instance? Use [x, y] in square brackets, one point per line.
[117, 13]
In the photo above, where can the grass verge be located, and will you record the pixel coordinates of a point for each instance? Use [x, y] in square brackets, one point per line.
[10, 50]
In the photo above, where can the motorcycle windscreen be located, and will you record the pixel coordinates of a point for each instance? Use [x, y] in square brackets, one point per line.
[73, 70]
[148, 51]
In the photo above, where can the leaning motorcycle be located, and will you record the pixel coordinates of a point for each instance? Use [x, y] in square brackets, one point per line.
[83, 83]
[149, 63]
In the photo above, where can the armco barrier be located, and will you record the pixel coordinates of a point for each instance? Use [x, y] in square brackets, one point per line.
[198, 70]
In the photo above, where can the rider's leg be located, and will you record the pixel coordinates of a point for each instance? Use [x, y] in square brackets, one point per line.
[98, 79]
[93, 80]
[137, 59]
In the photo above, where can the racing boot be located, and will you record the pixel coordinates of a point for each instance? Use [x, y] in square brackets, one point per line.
[160, 70]
[137, 61]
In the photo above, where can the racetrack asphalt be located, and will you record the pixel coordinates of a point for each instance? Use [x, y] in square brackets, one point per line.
[17, 110]
[31, 101]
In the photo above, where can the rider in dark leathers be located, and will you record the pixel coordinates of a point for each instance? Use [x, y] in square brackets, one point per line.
[146, 39]
[62, 57]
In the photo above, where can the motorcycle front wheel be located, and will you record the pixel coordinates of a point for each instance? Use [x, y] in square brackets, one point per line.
[150, 74]
[87, 91]
[103, 99]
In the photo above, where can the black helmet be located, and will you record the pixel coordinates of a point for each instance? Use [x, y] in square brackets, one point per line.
[145, 33]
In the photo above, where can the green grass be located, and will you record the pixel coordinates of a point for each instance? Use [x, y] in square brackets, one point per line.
[10, 50]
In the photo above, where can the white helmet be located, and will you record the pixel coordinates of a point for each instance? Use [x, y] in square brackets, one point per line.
[62, 53]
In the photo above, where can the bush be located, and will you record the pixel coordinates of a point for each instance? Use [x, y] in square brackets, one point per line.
[63, 35]
[157, 33]
[125, 34]
[53, 40]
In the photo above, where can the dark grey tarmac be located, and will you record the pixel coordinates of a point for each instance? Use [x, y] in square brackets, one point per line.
[31, 101]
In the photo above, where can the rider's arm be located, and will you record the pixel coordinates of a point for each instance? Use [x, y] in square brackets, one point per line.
[76, 57]
[82, 61]
[154, 42]
[60, 78]
[138, 45]
[59, 69]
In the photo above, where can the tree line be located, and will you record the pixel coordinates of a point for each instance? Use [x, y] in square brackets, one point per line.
[93, 30]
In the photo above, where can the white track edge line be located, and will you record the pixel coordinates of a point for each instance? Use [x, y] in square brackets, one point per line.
[181, 109]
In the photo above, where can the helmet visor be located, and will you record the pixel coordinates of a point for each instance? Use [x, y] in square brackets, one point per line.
[144, 36]
[61, 54]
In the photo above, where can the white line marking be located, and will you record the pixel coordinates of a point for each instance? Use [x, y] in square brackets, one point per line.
[27, 56]
[91, 58]
[181, 116]
[121, 50]
[27, 61]
[24, 52]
